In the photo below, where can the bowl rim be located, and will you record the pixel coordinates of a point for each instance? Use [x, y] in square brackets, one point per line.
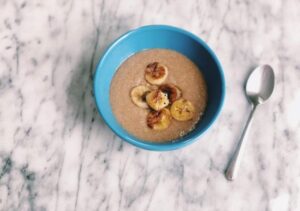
[167, 146]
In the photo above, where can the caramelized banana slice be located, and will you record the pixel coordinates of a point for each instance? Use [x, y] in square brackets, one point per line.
[138, 95]
[173, 92]
[157, 100]
[156, 73]
[182, 110]
[159, 120]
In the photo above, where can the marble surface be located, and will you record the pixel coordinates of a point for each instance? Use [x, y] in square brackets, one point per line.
[57, 154]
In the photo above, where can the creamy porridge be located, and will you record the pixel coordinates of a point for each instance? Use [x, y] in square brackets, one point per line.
[158, 95]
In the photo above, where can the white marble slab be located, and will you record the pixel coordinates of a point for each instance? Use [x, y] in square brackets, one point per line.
[57, 154]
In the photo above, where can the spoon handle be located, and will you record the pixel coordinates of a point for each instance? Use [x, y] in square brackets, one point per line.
[234, 165]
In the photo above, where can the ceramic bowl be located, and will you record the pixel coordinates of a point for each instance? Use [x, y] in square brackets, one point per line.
[167, 37]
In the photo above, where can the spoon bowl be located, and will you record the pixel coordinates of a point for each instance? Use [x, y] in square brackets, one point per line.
[260, 84]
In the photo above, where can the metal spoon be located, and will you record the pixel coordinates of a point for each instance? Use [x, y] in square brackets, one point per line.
[259, 88]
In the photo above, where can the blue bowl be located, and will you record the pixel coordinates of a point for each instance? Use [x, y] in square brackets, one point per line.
[167, 37]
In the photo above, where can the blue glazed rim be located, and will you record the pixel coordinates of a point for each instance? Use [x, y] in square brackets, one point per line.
[168, 145]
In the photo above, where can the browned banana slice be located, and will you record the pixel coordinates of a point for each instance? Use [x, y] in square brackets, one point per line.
[173, 92]
[159, 120]
[156, 73]
[182, 110]
[157, 100]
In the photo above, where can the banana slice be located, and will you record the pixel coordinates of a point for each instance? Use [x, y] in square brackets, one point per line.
[156, 73]
[159, 120]
[173, 92]
[157, 100]
[182, 110]
[138, 95]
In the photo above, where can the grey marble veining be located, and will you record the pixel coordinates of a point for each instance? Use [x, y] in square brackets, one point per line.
[57, 154]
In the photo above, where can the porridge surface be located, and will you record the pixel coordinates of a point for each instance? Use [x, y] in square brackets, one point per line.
[182, 72]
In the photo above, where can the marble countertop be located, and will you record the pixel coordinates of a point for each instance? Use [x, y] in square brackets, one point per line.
[57, 154]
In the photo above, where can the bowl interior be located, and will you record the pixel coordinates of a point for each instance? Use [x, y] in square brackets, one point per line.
[159, 37]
